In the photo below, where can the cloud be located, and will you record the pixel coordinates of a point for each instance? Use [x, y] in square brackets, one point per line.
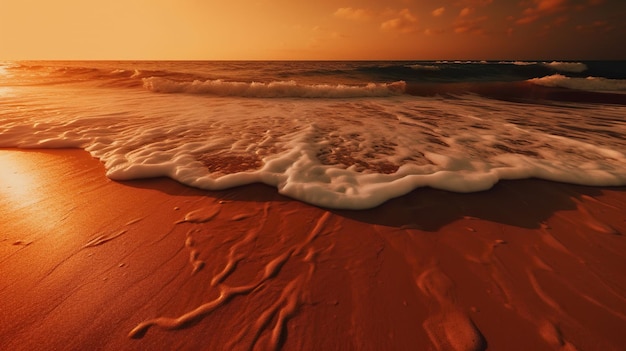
[354, 14]
[589, 3]
[438, 12]
[433, 31]
[541, 8]
[474, 3]
[404, 22]
[595, 27]
[466, 11]
[473, 26]
[560, 21]
[468, 7]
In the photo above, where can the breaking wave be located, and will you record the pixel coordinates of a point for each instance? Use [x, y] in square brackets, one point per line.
[587, 84]
[274, 89]
[573, 67]
[519, 63]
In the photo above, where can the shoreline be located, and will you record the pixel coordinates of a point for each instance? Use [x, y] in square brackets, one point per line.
[90, 263]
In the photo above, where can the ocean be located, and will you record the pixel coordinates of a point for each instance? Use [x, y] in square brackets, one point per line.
[348, 135]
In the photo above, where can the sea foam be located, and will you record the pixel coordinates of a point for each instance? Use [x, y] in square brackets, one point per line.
[291, 88]
[340, 149]
[575, 67]
[337, 153]
[424, 67]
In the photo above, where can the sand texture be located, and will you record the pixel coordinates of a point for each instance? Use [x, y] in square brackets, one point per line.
[87, 263]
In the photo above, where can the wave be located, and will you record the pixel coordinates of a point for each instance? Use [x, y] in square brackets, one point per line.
[596, 84]
[276, 89]
[335, 154]
[570, 67]
[424, 67]
[483, 71]
[314, 79]
[460, 62]
[332, 153]
[520, 63]
[573, 67]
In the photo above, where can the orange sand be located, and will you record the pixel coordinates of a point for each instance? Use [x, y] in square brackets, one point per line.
[87, 263]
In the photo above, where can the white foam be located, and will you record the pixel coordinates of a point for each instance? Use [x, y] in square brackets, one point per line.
[519, 63]
[337, 153]
[459, 62]
[424, 67]
[273, 89]
[575, 67]
[588, 84]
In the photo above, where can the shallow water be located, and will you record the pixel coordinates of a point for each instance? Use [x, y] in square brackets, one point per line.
[333, 134]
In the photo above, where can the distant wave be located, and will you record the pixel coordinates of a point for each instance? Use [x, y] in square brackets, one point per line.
[588, 84]
[292, 79]
[574, 67]
[275, 89]
[571, 67]
[424, 67]
[520, 63]
[459, 62]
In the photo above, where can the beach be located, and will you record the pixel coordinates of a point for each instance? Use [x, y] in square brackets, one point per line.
[313, 176]
[91, 263]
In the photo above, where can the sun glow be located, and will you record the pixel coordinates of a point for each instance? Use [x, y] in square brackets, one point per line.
[4, 76]
[17, 183]
[21, 188]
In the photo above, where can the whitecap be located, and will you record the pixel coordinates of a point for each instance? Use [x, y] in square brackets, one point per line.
[598, 84]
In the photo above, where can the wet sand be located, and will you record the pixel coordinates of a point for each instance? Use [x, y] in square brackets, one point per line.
[89, 263]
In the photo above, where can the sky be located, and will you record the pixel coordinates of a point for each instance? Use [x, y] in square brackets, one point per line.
[312, 29]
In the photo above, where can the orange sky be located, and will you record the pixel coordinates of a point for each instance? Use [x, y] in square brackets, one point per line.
[320, 29]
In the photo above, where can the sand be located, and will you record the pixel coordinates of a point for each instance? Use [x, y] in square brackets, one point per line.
[87, 263]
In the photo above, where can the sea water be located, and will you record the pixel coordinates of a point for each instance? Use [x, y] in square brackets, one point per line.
[334, 134]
